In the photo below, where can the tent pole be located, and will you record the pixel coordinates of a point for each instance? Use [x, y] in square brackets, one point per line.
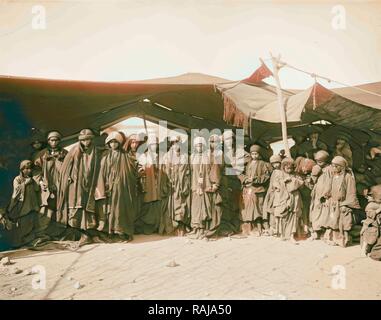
[282, 111]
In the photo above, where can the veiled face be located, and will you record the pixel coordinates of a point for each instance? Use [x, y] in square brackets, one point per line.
[134, 145]
[255, 155]
[288, 168]
[86, 143]
[53, 142]
[337, 168]
[114, 145]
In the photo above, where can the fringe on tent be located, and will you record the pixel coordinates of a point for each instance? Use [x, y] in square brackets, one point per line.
[234, 116]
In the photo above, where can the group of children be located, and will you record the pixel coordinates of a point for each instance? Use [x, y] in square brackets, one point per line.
[116, 192]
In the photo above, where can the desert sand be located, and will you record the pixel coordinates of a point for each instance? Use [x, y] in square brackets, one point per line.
[158, 267]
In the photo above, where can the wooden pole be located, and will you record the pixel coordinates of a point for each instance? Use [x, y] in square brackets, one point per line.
[282, 110]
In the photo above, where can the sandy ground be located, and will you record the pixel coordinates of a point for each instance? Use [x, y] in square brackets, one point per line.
[155, 267]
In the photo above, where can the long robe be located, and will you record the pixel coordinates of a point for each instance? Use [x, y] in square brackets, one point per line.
[51, 164]
[155, 187]
[176, 203]
[22, 210]
[215, 176]
[201, 206]
[319, 208]
[76, 200]
[371, 231]
[268, 203]
[231, 194]
[342, 199]
[287, 202]
[259, 172]
[116, 192]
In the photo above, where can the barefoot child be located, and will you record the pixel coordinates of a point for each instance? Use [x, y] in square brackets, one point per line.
[254, 181]
[268, 204]
[287, 200]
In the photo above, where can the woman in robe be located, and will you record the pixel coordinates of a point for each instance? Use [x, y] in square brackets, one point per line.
[176, 211]
[116, 190]
[287, 200]
[76, 197]
[155, 189]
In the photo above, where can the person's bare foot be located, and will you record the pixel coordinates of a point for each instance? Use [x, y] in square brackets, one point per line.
[85, 239]
[101, 226]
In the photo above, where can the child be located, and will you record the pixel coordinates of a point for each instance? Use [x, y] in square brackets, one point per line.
[268, 208]
[24, 205]
[370, 231]
[254, 181]
[287, 200]
[303, 167]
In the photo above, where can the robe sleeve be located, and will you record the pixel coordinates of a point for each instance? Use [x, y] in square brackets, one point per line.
[295, 183]
[264, 174]
[350, 197]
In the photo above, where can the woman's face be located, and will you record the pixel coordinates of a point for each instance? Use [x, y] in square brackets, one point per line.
[114, 145]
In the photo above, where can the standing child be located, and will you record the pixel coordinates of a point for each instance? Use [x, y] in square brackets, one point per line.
[287, 200]
[268, 204]
[24, 205]
[255, 181]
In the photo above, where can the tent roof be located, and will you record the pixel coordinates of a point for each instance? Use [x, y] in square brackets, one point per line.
[344, 106]
[69, 106]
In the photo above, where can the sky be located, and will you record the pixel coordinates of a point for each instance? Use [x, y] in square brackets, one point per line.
[109, 40]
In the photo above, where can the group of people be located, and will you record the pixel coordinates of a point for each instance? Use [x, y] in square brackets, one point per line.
[110, 193]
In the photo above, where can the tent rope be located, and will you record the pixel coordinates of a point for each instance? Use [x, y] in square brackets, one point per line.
[314, 75]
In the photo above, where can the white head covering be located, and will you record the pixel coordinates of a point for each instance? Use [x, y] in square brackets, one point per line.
[229, 134]
[114, 135]
[198, 140]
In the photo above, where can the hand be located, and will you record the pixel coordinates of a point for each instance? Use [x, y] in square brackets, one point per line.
[44, 187]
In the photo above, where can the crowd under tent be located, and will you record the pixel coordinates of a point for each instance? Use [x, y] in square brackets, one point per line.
[187, 101]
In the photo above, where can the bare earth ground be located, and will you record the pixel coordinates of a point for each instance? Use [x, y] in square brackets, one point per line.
[155, 267]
